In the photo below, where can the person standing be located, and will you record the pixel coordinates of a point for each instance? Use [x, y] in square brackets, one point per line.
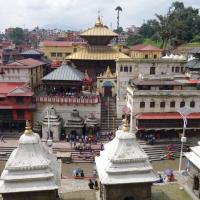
[2, 139]
[91, 184]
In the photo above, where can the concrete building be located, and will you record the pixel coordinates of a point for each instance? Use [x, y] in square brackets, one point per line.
[27, 71]
[31, 171]
[193, 167]
[124, 170]
[145, 69]
[58, 50]
[156, 95]
[142, 51]
[16, 106]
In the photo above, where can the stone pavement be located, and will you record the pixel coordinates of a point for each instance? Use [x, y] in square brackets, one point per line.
[181, 179]
[60, 145]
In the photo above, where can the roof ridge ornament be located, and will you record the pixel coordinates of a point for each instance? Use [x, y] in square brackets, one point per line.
[108, 72]
[125, 127]
[98, 22]
[28, 130]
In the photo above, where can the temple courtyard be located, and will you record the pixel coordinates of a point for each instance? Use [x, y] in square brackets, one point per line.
[77, 189]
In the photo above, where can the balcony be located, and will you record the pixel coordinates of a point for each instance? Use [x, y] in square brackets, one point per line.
[164, 93]
[68, 100]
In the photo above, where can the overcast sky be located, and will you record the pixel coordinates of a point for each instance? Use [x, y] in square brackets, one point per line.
[80, 14]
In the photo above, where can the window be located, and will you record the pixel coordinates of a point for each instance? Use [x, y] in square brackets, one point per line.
[142, 104]
[152, 70]
[182, 69]
[126, 69]
[20, 114]
[172, 69]
[182, 104]
[59, 54]
[146, 56]
[130, 68]
[19, 100]
[154, 56]
[53, 54]
[176, 69]
[121, 68]
[152, 104]
[192, 104]
[172, 104]
[162, 104]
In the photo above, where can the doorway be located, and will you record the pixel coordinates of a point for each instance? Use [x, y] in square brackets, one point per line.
[129, 198]
[196, 183]
[108, 85]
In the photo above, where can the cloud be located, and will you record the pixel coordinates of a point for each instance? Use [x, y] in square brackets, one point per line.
[79, 14]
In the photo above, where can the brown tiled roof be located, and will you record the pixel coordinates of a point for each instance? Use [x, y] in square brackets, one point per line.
[47, 43]
[144, 47]
[25, 63]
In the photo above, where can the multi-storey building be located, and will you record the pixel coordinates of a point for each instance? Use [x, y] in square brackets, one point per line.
[143, 51]
[58, 50]
[27, 71]
[155, 97]
[144, 69]
[16, 105]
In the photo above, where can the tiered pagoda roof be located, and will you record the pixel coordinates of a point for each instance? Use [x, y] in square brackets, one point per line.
[98, 48]
[99, 34]
[124, 161]
[29, 168]
[75, 120]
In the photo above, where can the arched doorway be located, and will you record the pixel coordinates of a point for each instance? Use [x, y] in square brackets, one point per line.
[108, 85]
[129, 198]
[196, 183]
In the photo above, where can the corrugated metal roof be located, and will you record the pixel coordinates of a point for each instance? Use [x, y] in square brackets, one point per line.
[65, 73]
[144, 47]
[97, 53]
[193, 64]
[196, 50]
[31, 52]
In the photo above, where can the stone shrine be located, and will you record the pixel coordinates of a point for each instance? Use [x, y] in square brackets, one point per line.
[31, 172]
[124, 169]
[74, 124]
[193, 168]
[91, 124]
[51, 125]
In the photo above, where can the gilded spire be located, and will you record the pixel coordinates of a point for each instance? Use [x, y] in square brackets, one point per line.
[98, 22]
[108, 72]
[28, 130]
[125, 127]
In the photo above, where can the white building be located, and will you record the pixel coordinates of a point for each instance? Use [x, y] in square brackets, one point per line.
[124, 169]
[30, 171]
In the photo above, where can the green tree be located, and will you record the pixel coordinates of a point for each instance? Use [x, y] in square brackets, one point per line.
[134, 39]
[17, 35]
[149, 28]
[119, 30]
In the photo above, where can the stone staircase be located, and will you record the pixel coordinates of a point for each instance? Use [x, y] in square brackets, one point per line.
[13, 134]
[107, 114]
[155, 152]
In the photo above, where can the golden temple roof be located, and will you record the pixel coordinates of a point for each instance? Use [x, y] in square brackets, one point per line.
[99, 30]
[97, 53]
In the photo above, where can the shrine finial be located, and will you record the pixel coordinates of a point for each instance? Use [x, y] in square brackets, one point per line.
[28, 130]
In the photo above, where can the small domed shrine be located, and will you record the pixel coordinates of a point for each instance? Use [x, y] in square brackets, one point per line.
[31, 172]
[124, 169]
[51, 125]
[74, 124]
